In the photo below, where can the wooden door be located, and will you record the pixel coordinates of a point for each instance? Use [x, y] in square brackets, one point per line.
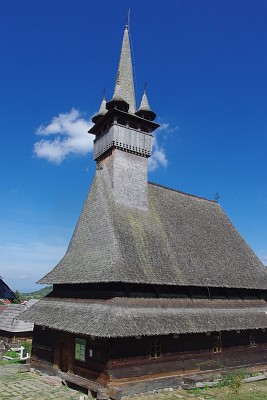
[63, 357]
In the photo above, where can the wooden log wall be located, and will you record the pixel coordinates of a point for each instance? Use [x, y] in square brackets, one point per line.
[57, 349]
[131, 358]
[109, 361]
[96, 361]
[42, 345]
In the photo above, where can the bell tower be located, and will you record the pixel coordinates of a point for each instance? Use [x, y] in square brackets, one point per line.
[123, 137]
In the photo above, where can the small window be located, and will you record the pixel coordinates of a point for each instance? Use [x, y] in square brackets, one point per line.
[252, 340]
[155, 349]
[80, 345]
[217, 349]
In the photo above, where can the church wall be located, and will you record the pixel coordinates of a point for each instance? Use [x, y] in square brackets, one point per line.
[56, 350]
[96, 359]
[43, 345]
[110, 360]
[132, 358]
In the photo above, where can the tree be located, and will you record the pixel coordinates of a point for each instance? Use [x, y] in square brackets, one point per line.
[17, 297]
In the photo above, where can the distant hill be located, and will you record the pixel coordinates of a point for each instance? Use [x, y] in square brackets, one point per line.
[39, 294]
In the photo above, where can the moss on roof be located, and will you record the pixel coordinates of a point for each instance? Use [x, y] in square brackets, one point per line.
[180, 240]
[133, 317]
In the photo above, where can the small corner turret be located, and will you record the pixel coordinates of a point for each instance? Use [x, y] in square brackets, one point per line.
[102, 110]
[144, 111]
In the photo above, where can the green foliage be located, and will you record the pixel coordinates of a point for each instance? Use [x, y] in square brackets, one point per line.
[12, 354]
[233, 380]
[255, 374]
[195, 391]
[39, 294]
[17, 297]
[12, 361]
[27, 346]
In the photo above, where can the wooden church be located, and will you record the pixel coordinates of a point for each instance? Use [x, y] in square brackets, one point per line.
[156, 284]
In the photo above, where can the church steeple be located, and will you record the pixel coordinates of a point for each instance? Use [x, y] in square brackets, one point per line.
[117, 124]
[124, 86]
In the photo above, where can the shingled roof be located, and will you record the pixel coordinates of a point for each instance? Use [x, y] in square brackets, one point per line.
[124, 86]
[9, 318]
[180, 240]
[132, 317]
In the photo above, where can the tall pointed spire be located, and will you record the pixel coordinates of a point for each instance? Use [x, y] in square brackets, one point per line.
[118, 126]
[124, 81]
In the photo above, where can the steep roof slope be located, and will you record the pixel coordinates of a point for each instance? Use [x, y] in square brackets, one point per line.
[180, 240]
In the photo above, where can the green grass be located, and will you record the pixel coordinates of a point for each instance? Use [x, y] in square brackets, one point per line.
[14, 361]
[12, 354]
[246, 391]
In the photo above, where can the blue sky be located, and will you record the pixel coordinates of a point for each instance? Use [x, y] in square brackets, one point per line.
[205, 65]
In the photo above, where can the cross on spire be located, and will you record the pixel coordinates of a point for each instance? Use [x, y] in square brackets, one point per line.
[128, 20]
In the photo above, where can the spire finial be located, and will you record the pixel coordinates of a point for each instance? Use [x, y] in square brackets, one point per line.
[128, 20]
[145, 86]
[124, 87]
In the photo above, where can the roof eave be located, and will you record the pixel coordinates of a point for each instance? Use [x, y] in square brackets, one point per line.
[96, 129]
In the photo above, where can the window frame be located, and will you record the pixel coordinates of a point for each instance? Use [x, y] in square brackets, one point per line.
[217, 349]
[155, 349]
[80, 349]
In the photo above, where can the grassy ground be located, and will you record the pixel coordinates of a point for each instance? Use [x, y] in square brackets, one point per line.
[247, 391]
[10, 375]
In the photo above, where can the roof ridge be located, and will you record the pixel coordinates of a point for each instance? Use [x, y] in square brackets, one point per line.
[180, 191]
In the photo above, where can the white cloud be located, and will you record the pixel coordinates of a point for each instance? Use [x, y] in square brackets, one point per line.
[70, 136]
[159, 158]
[165, 127]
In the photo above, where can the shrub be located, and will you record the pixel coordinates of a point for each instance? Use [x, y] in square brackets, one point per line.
[233, 380]
[27, 346]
